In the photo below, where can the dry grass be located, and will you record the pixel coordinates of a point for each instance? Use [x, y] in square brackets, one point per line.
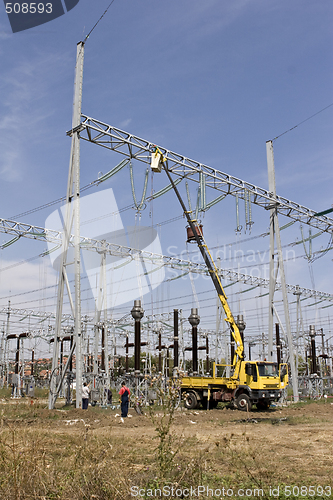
[75, 455]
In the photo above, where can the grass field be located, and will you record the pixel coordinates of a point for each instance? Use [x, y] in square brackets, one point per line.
[74, 454]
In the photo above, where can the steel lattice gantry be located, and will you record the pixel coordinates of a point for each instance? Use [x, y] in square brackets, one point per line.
[18, 230]
[131, 146]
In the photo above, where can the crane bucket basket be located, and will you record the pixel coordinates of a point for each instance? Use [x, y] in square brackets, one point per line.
[156, 162]
[190, 234]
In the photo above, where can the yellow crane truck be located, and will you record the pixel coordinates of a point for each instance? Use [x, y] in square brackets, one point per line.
[249, 382]
[253, 382]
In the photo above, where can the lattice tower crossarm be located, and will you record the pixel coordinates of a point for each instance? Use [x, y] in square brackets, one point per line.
[112, 138]
[19, 230]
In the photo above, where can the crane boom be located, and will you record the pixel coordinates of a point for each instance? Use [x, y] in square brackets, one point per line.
[213, 272]
[253, 382]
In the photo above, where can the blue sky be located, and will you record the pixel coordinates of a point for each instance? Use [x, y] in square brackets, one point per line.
[210, 79]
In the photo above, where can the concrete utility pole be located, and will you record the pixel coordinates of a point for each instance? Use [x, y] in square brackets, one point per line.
[207, 354]
[181, 341]
[6, 353]
[101, 304]
[299, 328]
[72, 217]
[273, 272]
[219, 310]
[2, 359]
[278, 344]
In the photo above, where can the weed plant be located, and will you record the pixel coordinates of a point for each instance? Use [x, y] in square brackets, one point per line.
[42, 458]
[167, 396]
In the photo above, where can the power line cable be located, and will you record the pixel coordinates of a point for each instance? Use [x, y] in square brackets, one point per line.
[300, 123]
[316, 255]
[92, 29]
[54, 202]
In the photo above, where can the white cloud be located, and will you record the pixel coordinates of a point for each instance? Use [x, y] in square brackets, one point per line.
[125, 123]
[23, 88]
[9, 160]
[24, 279]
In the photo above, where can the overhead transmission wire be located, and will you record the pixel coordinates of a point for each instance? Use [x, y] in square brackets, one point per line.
[203, 315]
[51, 203]
[164, 222]
[303, 121]
[96, 183]
[177, 300]
[59, 200]
[170, 279]
[126, 208]
[123, 308]
[92, 29]
[294, 243]
[70, 281]
[251, 238]
[122, 281]
[158, 302]
[150, 198]
[168, 221]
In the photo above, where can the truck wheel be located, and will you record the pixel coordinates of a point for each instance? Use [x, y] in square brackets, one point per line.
[191, 401]
[243, 402]
[263, 405]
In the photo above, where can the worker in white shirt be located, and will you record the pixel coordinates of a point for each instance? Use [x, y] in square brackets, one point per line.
[85, 396]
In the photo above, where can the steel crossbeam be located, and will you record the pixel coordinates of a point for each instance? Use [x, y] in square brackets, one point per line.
[21, 229]
[31, 313]
[41, 315]
[39, 233]
[112, 138]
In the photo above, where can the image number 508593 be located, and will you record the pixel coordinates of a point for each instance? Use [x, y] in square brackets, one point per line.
[28, 8]
[24, 15]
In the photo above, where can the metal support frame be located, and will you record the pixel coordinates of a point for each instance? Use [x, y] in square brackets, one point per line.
[274, 269]
[101, 305]
[43, 234]
[4, 349]
[134, 147]
[19, 361]
[299, 330]
[2, 360]
[114, 139]
[72, 215]
[315, 387]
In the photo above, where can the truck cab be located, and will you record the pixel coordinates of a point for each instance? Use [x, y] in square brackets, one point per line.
[258, 382]
[262, 382]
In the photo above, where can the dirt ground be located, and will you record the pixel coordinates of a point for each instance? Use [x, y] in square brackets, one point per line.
[295, 439]
[287, 445]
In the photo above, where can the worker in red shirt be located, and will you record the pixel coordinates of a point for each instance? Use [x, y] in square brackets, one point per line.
[124, 393]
